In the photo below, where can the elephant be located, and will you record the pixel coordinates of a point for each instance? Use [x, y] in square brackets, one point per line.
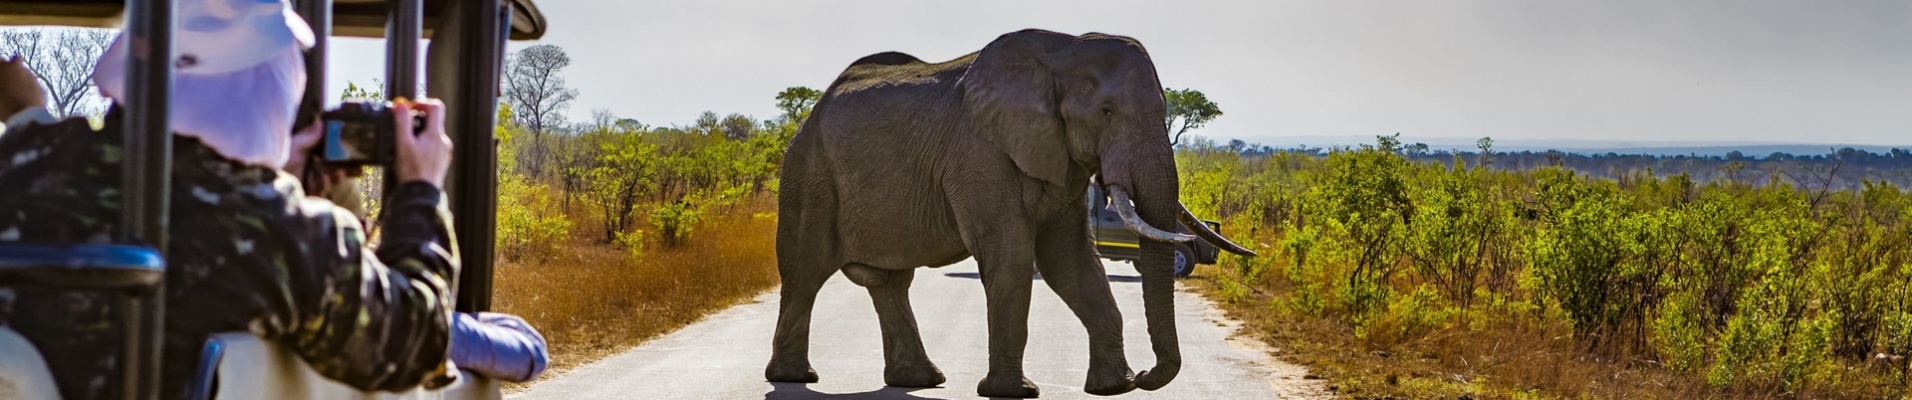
[905, 164]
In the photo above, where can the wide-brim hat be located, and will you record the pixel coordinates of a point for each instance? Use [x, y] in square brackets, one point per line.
[215, 36]
[238, 75]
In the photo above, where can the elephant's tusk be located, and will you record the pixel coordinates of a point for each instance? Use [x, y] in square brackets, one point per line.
[1119, 198]
[1213, 237]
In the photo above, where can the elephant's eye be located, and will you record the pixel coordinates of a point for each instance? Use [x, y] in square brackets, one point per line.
[1107, 112]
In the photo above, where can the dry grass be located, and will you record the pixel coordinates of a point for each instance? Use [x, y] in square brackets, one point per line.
[1503, 359]
[592, 300]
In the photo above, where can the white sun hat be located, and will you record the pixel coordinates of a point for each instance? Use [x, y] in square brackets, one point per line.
[238, 76]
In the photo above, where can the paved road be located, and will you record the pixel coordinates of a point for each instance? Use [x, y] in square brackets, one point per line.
[723, 356]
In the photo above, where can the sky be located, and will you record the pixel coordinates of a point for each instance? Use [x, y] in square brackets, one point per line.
[1712, 71]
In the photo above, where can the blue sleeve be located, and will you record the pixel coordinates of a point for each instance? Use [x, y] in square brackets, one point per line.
[500, 346]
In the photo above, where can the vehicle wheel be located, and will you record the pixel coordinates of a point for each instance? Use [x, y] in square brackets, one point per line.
[1184, 261]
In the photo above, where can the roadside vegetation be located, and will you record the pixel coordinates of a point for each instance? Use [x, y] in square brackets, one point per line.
[1396, 278]
[612, 231]
[629, 231]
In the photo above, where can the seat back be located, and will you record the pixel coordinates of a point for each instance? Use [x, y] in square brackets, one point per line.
[132, 271]
[253, 368]
[23, 374]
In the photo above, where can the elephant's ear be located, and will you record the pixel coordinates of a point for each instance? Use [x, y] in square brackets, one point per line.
[1011, 100]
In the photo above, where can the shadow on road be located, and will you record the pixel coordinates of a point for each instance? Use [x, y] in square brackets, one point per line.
[1112, 278]
[802, 391]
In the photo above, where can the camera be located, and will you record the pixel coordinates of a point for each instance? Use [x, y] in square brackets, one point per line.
[361, 133]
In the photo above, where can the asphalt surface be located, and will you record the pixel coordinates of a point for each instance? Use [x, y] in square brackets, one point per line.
[723, 356]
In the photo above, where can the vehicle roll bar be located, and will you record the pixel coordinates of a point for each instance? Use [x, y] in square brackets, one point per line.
[463, 67]
[146, 178]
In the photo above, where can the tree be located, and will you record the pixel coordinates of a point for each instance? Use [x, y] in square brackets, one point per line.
[1417, 149]
[707, 122]
[533, 88]
[354, 92]
[624, 172]
[796, 102]
[1191, 107]
[63, 60]
[1486, 146]
[737, 127]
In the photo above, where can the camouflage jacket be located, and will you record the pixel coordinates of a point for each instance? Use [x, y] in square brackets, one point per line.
[248, 252]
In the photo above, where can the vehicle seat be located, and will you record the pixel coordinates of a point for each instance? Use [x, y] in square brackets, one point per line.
[23, 374]
[253, 368]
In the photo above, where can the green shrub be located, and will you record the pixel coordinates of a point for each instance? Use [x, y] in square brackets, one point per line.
[1678, 335]
[631, 242]
[529, 228]
[1577, 256]
[674, 221]
[1420, 312]
[1366, 193]
[1308, 274]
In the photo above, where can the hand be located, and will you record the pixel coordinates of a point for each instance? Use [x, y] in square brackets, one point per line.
[19, 90]
[323, 177]
[427, 155]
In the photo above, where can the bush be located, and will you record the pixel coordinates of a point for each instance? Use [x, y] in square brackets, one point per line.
[1308, 273]
[529, 228]
[632, 242]
[1678, 334]
[1367, 195]
[674, 222]
[1406, 317]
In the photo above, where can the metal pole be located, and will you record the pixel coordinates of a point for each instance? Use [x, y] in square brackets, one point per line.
[147, 172]
[492, 22]
[318, 15]
[465, 60]
[403, 26]
[404, 23]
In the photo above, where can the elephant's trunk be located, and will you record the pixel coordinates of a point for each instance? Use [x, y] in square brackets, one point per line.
[1157, 204]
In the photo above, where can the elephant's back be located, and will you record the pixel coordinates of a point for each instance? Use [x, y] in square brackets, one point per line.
[885, 104]
[895, 70]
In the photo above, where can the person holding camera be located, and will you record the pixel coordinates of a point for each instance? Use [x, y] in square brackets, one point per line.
[249, 250]
[327, 151]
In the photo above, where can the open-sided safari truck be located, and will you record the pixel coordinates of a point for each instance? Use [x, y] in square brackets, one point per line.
[462, 67]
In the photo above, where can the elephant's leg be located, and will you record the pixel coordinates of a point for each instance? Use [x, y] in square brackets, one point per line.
[790, 349]
[1006, 283]
[905, 363]
[1069, 265]
[806, 212]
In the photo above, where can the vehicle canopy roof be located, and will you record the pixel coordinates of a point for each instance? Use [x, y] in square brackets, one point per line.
[350, 18]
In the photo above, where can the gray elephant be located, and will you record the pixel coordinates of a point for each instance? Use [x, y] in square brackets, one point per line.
[986, 156]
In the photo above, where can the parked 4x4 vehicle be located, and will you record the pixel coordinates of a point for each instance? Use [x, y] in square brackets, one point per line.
[1116, 242]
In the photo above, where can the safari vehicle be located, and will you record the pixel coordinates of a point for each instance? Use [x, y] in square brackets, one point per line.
[1116, 242]
[463, 67]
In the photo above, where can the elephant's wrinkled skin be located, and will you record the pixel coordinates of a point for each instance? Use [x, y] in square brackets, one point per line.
[906, 164]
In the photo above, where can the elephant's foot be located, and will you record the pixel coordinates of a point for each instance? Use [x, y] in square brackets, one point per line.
[916, 374]
[1109, 380]
[1004, 385]
[791, 372]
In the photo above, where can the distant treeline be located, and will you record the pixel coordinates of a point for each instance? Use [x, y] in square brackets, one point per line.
[1840, 169]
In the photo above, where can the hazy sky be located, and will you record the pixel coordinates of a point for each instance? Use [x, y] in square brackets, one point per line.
[1727, 70]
